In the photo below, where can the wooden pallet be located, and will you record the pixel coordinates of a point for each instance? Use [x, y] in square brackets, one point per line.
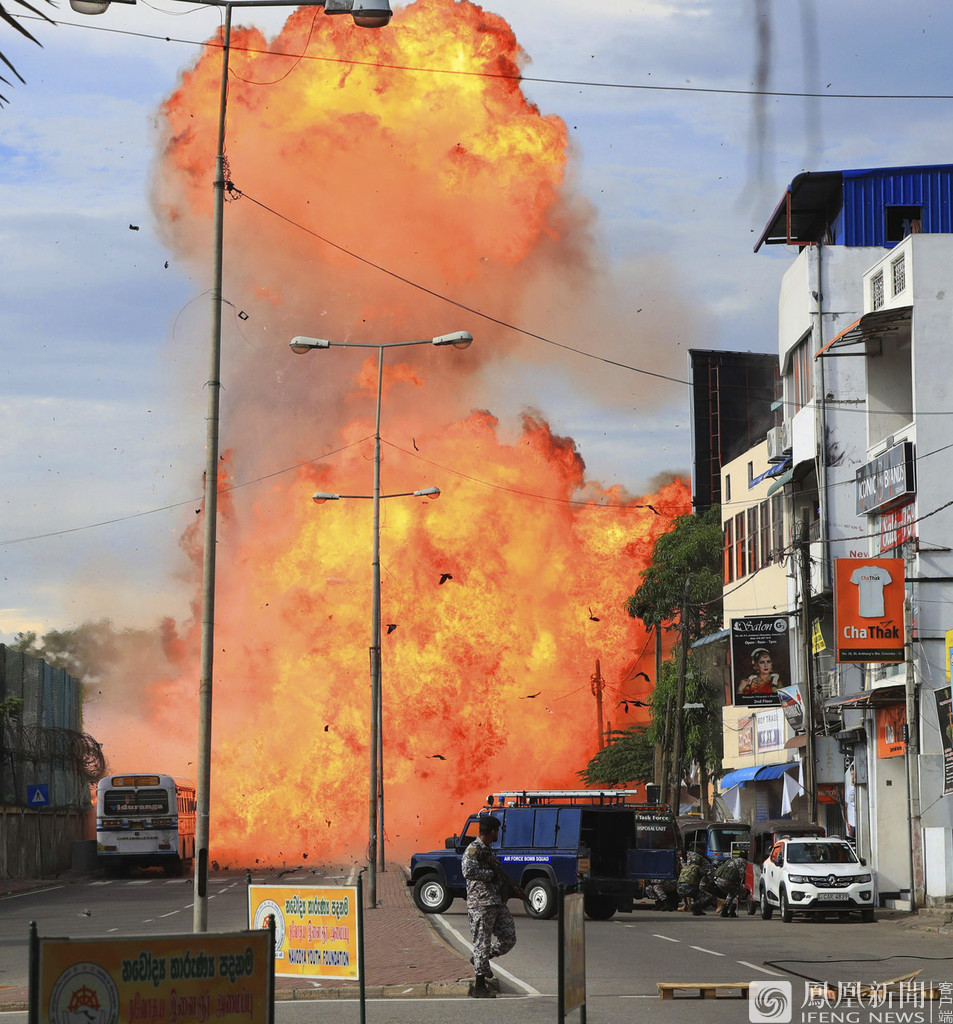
[704, 989]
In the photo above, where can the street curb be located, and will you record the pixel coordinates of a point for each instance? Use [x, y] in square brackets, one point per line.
[440, 989]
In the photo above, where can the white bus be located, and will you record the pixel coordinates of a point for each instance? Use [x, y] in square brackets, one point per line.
[145, 821]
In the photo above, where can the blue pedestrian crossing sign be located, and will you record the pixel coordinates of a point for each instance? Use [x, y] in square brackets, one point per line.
[38, 796]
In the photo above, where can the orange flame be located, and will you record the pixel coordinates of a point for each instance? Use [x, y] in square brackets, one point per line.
[451, 177]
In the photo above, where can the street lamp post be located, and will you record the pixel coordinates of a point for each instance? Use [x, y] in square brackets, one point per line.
[366, 14]
[375, 816]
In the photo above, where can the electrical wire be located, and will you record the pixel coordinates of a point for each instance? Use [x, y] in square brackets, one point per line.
[519, 77]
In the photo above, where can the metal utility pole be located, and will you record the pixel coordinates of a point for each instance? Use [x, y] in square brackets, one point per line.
[810, 782]
[678, 743]
[597, 692]
[912, 747]
[659, 760]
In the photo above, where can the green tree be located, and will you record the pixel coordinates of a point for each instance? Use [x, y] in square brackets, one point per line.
[691, 551]
[10, 19]
[627, 757]
[681, 589]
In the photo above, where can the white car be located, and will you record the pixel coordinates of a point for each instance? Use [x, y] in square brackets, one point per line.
[815, 876]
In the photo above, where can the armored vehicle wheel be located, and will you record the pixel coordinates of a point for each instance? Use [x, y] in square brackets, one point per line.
[540, 898]
[431, 895]
[598, 906]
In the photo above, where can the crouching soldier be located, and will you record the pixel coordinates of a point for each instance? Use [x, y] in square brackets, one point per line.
[729, 880]
[694, 885]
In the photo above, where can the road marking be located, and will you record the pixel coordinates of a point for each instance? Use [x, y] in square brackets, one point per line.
[763, 970]
[30, 892]
[171, 913]
[655, 935]
[701, 949]
[528, 989]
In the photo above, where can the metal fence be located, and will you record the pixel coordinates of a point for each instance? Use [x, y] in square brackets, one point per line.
[45, 757]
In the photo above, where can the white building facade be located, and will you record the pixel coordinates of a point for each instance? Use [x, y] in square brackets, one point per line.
[862, 450]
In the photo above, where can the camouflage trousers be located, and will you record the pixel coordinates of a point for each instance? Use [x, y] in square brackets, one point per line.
[730, 891]
[494, 933]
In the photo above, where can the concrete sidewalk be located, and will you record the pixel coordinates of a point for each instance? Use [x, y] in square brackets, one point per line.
[404, 956]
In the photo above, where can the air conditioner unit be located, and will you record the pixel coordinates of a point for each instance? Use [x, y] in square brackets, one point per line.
[774, 445]
[784, 437]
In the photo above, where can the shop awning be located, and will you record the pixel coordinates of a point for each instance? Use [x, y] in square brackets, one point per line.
[784, 478]
[775, 771]
[738, 777]
[780, 467]
[869, 327]
[880, 697]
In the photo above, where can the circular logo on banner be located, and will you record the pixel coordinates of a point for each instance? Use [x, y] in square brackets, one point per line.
[84, 992]
[780, 625]
[265, 908]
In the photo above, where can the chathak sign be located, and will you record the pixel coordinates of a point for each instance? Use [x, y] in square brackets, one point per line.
[887, 480]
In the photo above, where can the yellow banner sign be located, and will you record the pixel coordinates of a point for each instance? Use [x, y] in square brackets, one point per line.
[190, 979]
[316, 930]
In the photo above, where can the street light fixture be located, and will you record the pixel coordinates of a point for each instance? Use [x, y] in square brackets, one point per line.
[302, 345]
[366, 14]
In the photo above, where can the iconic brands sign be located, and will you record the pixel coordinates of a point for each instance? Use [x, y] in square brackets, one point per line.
[868, 609]
[887, 480]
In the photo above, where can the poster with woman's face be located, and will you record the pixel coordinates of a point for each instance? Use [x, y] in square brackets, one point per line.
[760, 659]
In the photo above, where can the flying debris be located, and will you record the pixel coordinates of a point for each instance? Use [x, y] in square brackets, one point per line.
[593, 618]
[391, 626]
[444, 576]
[548, 708]
[530, 696]
[624, 704]
[133, 227]
[414, 441]
[642, 675]
[439, 757]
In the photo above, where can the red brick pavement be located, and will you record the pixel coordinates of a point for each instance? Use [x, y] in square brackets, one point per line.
[401, 950]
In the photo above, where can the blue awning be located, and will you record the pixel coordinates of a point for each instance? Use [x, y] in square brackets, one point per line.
[775, 771]
[771, 471]
[738, 777]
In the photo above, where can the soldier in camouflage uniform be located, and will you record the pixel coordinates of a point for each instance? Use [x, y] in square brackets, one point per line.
[488, 888]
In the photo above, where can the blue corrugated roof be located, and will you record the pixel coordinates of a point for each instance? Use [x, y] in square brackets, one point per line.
[738, 777]
[775, 771]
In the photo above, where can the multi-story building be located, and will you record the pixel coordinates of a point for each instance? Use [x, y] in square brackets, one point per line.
[862, 462]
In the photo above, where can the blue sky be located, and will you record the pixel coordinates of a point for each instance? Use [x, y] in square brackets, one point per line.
[103, 404]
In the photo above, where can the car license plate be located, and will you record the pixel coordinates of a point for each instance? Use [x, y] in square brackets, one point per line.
[839, 896]
[583, 864]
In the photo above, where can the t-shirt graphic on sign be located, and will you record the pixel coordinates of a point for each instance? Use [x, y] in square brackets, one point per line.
[870, 580]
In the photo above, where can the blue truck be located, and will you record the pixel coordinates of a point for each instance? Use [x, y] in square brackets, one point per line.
[597, 842]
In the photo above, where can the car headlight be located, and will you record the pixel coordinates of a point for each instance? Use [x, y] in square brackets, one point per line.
[800, 879]
[862, 878]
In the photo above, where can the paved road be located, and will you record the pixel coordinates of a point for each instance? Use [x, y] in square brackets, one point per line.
[625, 956]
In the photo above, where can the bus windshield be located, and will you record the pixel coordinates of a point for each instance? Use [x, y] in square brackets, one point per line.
[127, 803]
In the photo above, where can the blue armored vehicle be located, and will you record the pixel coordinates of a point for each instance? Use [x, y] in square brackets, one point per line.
[597, 842]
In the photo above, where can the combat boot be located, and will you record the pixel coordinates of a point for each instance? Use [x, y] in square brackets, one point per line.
[480, 989]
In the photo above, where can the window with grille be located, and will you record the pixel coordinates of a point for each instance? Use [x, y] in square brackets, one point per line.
[877, 290]
[753, 538]
[729, 552]
[777, 526]
[741, 564]
[765, 539]
[802, 365]
[899, 271]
